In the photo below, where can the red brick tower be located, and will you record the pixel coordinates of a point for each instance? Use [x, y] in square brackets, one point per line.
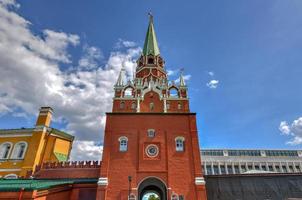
[151, 141]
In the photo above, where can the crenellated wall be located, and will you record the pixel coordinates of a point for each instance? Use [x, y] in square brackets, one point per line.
[74, 169]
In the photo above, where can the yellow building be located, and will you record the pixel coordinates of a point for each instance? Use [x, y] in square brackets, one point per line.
[22, 149]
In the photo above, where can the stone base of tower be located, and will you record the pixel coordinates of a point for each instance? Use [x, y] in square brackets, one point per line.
[105, 194]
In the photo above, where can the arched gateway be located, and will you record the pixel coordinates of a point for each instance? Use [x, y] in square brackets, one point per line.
[151, 133]
[152, 185]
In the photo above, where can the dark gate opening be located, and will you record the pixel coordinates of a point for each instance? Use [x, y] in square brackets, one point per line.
[152, 185]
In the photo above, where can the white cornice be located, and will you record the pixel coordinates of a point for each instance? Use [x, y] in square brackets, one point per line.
[8, 135]
[103, 181]
[9, 170]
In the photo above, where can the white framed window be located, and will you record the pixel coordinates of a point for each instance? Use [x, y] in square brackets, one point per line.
[5, 150]
[151, 106]
[132, 197]
[128, 92]
[133, 106]
[151, 133]
[179, 106]
[168, 105]
[123, 143]
[122, 105]
[19, 150]
[174, 197]
[180, 143]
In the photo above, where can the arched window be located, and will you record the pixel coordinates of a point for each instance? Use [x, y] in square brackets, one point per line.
[133, 106]
[173, 92]
[122, 105]
[128, 92]
[179, 106]
[151, 133]
[151, 106]
[11, 176]
[174, 197]
[123, 143]
[168, 105]
[150, 61]
[132, 197]
[180, 143]
[19, 150]
[5, 150]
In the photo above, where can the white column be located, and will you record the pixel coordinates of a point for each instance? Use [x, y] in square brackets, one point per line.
[240, 169]
[165, 105]
[219, 168]
[287, 167]
[294, 167]
[274, 167]
[233, 168]
[138, 105]
[205, 168]
[226, 168]
[212, 167]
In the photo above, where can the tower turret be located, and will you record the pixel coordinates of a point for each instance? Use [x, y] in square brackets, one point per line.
[150, 90]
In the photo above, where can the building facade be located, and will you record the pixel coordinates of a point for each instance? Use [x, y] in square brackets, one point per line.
[231, 161]
[151, 140]
[22, 149]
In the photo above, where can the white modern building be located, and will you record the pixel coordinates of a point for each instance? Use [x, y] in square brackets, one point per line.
[231, 161]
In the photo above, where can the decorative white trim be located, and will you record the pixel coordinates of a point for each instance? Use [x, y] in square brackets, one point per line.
[199, 181]
[9, 170]
[46, 109]
[180, 138]
[123, 138]
[11, 176]
[103, 181]
[40, 128]
[45, 113]
[15, 135]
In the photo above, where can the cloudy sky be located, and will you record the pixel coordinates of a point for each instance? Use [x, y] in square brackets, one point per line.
[242, 61]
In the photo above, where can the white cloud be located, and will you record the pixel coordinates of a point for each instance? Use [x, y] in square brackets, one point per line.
[92, 55]
[284, 128]
[294, 130]
[213, 84]
[31, 77]
[83, 150]
[211, 73]
[7, 3]
[171, 72]
[124, 43]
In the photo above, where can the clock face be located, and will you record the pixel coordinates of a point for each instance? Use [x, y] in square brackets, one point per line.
[152, 150]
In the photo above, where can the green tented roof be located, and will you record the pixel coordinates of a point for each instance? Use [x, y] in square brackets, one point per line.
[61, 157]
[8, 185]
[151, 46]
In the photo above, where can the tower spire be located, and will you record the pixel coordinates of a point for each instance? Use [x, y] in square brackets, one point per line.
[182, 82]
[151, 46]
[121, 77]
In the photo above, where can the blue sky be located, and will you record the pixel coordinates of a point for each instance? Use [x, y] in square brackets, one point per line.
[244, 58]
